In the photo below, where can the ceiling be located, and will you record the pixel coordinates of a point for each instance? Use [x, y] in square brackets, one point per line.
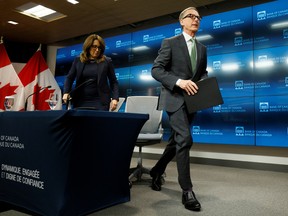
[101, 16]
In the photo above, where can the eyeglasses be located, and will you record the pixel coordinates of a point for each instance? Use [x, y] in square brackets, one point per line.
[95, 47]
[192, 16]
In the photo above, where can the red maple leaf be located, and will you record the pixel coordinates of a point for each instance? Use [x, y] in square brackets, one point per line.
[6, 90]
[40, 98]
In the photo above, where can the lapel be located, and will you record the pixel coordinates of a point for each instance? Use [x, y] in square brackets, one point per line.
[80, 68]
[199, 54]
[183, 47]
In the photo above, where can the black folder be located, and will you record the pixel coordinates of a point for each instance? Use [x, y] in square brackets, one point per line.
[208, 95]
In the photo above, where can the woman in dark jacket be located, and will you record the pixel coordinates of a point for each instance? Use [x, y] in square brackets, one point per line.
[96, 82]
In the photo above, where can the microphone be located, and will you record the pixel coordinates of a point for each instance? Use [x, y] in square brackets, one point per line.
[26, 102]
[69, 98]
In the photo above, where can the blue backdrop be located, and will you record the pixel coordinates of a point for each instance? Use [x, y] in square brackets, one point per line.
[247, 52]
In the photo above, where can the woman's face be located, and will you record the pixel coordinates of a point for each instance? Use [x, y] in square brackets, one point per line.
[95, 49]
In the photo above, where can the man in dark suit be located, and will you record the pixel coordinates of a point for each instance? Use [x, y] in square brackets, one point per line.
[181, 61]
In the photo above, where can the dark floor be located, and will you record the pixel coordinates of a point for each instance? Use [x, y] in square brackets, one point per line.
[223, 191]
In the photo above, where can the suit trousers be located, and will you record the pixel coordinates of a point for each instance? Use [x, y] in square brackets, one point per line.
[179, 145]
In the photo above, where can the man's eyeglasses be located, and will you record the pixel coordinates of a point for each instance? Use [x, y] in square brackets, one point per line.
[192, 16]
[95, 47]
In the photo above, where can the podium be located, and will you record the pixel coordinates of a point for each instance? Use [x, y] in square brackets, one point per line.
[66, 162]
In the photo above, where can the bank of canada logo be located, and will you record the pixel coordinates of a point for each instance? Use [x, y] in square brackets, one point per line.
[146, 75]
[217, 109]
[262, 58]
[285, 33]
[239, 131]
[196, 129]
[118, 43]
[216, 24]
[130, 57]
[216, 65]
[73, 52]
[145, 38]
[286, 81]
[158, 90]
[129, 91]
[178, 31]
[239, 84]
[264, 106]
[238, 41]
[261, 15]
[145, 72]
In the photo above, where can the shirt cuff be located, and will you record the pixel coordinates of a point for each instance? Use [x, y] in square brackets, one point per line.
[178, 82]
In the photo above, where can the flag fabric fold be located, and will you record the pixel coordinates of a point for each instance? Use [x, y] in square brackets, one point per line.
[39, 84]
[10, 84]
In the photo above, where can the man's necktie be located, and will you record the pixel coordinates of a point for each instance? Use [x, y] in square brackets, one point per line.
[193, 55]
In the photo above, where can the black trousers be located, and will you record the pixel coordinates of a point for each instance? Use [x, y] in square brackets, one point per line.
[179, 145]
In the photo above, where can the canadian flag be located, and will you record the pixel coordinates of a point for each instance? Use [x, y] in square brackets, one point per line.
[39, 83]
[10, 84]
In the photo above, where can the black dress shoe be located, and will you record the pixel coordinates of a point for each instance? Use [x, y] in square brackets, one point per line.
[156, 181]
[190, 202]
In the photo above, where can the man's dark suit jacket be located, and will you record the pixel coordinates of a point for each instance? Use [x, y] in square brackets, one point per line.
[106, 70]
[173, 63]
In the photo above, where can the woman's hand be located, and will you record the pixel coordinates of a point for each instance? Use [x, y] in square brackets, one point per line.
[65, 98]
[113, 105]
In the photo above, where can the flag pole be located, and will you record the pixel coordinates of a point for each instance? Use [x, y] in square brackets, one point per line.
[39, 47]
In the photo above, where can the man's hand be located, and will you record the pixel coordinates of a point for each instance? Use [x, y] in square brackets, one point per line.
[189, 86]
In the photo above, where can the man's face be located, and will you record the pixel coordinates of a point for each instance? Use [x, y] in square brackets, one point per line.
[190, 21]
